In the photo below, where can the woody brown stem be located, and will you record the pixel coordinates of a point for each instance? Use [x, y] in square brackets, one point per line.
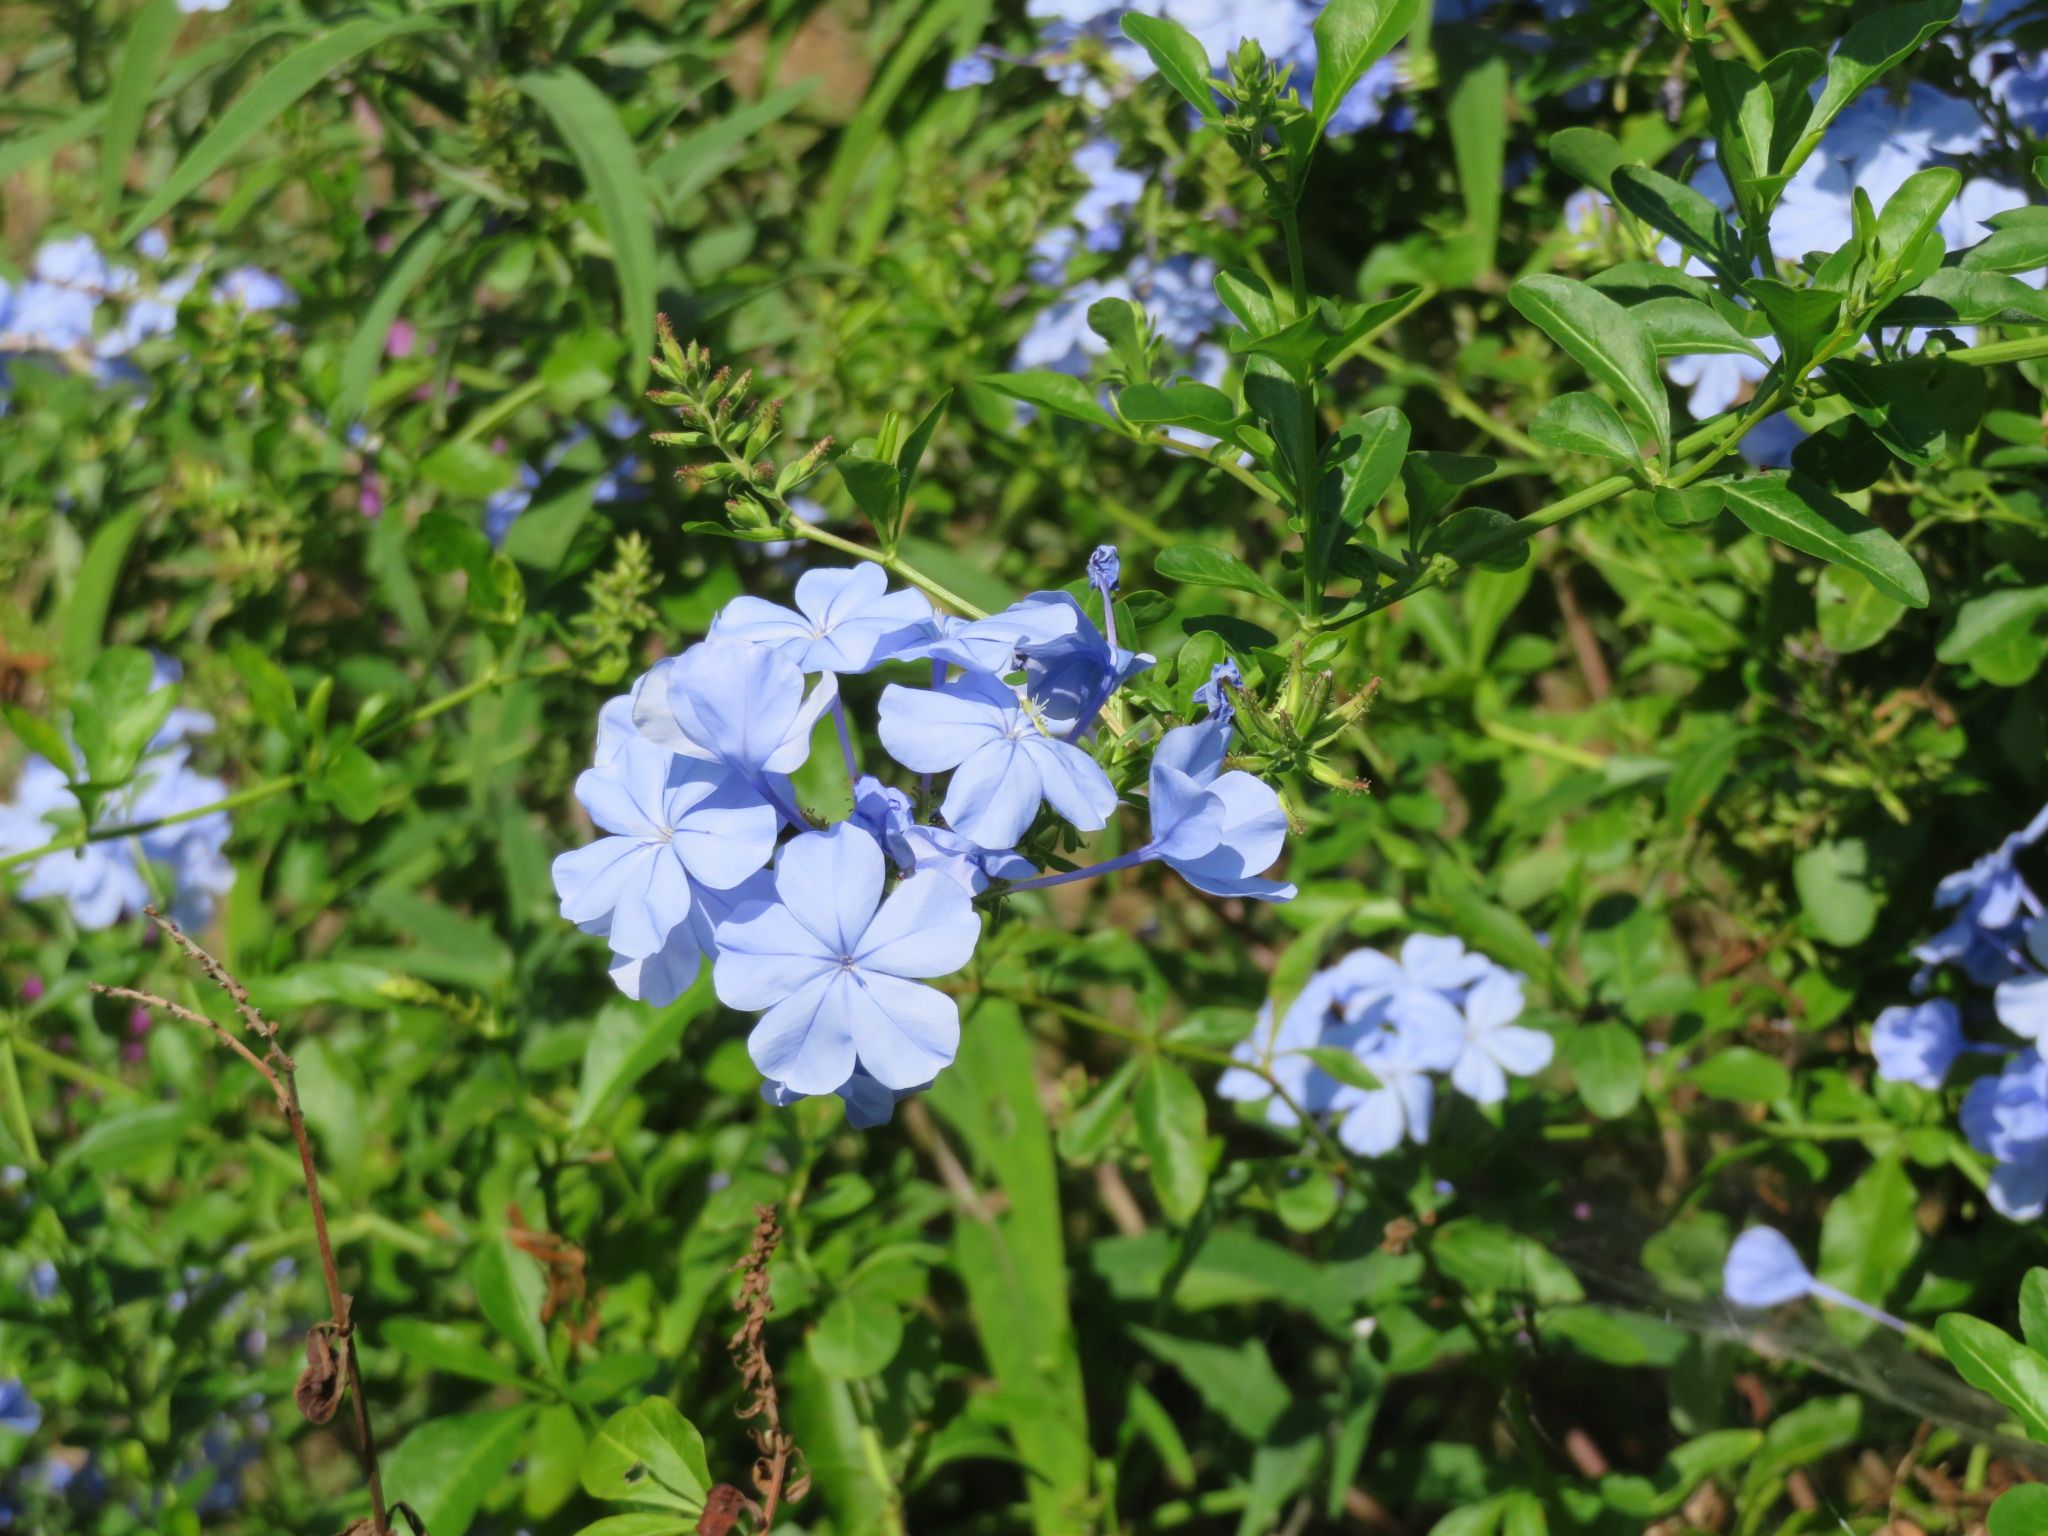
[276, 1068]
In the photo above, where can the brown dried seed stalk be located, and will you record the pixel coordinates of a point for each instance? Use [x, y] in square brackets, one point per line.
[779, 1470]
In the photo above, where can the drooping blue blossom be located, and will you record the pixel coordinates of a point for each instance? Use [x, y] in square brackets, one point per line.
[1763, 1269]
[1005, 762]
[105, 880]
[1994, 905]
[1069, 677]
[976, 68]
[844, 620]
[19, 1413]
[1217, 830]
[1105, 570]
[1215, 694]
[1917, 1044]
[677, 825]
[840, 970]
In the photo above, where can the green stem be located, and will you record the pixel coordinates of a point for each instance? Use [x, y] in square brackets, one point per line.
[15, 1105]
[1307, 465]
[895, 564]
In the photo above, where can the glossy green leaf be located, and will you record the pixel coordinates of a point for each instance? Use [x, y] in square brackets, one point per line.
[1604, 339]
[1804, 517]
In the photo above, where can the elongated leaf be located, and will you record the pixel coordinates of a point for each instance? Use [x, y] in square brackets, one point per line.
[1872, 47]
[142, 59]
[1989, 1358]
[1202, 565]
[1803, 319]
[1477, 115]
[1991, 622]
[1604, 339]
[1588, 154]
[511, 1290]
[1351, 35]
[1681, 327]
[92, 594]
[699, 157]
[1173, 1126]
[1183, 62]
[258, 107]
[1683, 214]
[1374, 463]
[415, 259]
[610, 162]
[446, 1468]
[1198, 407]
[626, 1043]
[1954, 296]
[1060, 393]
[1795, 511]
[1584, 423]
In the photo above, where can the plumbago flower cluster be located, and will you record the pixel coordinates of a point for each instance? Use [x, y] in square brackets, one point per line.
[833, 932]
[1998, 938]
[181, 864]
[1365, 1040]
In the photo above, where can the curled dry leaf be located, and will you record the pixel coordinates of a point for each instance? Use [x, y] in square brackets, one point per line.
[318, 1393]
[722, 1509]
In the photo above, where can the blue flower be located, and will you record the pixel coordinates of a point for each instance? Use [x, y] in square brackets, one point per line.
[1217, 830]
[253, 289]
[662, 977]
[1006, 762]
[1105, 570]
[1918, 1044]
[840, 970]
[999, 643]
[1070, 677]
[1425, 989]
[1763, 1269]
[1376, 1120]
[733, 702]
[846, 620]
[2006, 1118]
[868, 1103]
[1113, 191]
[976, 68]
[1495, 1047]
[885, 813]
[1214, 695]
[1994, 905]
[678, 824]
[18, 1411]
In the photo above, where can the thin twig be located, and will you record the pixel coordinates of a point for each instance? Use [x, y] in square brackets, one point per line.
[779, 1470]
[276, 1069]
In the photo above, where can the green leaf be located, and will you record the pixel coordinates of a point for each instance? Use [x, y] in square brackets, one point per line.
[1373, 448]
[1476, 110]
[1173, 1130]
[610, 162]
[1683, 214]
[1351, 35]
[1693, 506]
[41, 738]
[1853, 615]
[117, 1144]
[2020, 1511]
[1921, 408]
[1845, 456]
[857, 1337]
[1991, 1359]
[648, 1454]
[351, 782]
[1803, 319]
[2018, 242]
[142, 58]
[1604, 339]
[1803, 1435]
[1181, 60]
[1246, 296]
[628, 1041]
[259, 106]
[1195, 407]
[1684, 327]
[1060, 393]
[92, 593]
[1587, 153]
[447, 1467]
[1798, 513]
[1237, 1382]
[1746, 1076]
[1122, 323]
[1607, 1062]
[1485, 1256]
[414, 260]
[1995, 620]
[444, 1347]
[511, 1290]
[704, 154]
[1950, 296]
[1914, 212]
[1833, 882]
[1873, 46]
[1202, 565]
[2034, 1309]
[1585, 423]
[1868, 1241]
[1342, 1065]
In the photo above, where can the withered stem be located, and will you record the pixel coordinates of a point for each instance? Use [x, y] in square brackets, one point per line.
[277, 1069]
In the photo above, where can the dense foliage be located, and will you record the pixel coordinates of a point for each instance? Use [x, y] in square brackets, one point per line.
[1258, 767]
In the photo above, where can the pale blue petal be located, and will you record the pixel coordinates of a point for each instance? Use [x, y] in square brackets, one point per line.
[804, 1041]
[994, 794]
[929, 730]
[1479, 1077]
[765, 954]
[906, 1033]
[589, 880]
[1764, 1269]
[1073, 782]
[1375, 1124]
[655, 899]
[831, 881]
[724, 830]
[927, 927]
[2022, 1005]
